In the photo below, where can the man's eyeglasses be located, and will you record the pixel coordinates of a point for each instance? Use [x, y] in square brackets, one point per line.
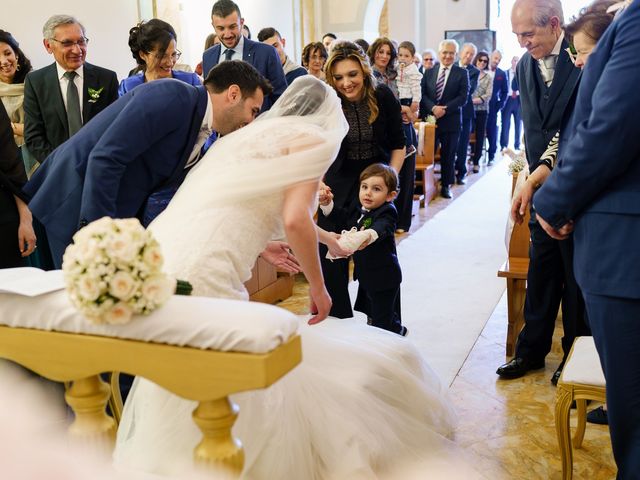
[69, 44]
[427, 59]
[174, 56]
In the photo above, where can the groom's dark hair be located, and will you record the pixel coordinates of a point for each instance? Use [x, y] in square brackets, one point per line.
[237, 72]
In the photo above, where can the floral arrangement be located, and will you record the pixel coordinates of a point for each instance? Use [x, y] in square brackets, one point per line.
[518, 160]
[113, 270]
[431, 119]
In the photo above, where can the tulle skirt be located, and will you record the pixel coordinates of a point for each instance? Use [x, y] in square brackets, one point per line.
[361, 402]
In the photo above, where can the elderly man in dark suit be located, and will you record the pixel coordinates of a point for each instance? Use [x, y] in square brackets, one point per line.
[497, 102]
[595, 189]
[227, 22]
[467, 54]
[444, 91]
[62, 97]
[143, 142]
[548, 80]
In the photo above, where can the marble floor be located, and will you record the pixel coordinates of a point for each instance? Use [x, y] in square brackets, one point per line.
[506, 427]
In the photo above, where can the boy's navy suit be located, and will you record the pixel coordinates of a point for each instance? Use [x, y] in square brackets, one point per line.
[376, 266]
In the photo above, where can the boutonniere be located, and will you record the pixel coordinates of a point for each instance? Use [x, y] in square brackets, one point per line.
[94, 94]
[367, 223]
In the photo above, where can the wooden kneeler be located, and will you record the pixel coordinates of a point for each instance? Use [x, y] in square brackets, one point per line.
[206, 376]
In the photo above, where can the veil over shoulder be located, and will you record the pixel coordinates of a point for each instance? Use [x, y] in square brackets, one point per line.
[295, 141]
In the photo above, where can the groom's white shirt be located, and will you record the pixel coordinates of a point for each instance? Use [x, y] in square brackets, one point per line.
[203, 134]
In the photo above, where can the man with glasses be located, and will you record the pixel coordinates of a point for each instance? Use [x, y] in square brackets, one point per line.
[60, 98]
[429, 60]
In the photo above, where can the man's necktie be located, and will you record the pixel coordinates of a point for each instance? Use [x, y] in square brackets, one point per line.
[440, 83]
[229, 53]
[550, 66]
[74, 117]
[204, 140]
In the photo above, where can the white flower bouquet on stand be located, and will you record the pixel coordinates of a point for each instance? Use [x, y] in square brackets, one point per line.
[113, 270]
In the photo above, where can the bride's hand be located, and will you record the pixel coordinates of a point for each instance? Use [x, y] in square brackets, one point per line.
[320, 304]
[335, 248]
[279, 255]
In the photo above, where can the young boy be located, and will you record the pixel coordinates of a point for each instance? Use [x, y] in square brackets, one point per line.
[376, 264]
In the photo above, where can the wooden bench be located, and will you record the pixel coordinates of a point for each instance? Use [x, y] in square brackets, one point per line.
[515, 271]
[425, 160]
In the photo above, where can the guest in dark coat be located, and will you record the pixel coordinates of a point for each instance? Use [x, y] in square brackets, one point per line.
[444, 91]
[49, 119]
[497, 102]
[375, 135]
[17, 239]
[548, 82]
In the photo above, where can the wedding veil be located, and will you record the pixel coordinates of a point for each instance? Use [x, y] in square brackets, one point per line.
[295, 141]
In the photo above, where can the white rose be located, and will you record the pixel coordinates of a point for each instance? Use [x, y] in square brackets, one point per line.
[122, 286]
[121, 248]
[152, 257]
[88, 288]
[119, 314]
[157, 289]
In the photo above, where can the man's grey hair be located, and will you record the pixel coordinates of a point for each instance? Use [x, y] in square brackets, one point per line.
[57, 20]
[472, 46]
[544, 10]
[449, 42]
[431, 51]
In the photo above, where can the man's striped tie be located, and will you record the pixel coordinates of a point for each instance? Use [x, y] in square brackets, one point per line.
[440, 83]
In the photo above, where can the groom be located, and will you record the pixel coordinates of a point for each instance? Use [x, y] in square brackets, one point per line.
[141, 143]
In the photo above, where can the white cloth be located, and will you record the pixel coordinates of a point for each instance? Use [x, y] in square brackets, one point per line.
[362, 398]
[353, 240]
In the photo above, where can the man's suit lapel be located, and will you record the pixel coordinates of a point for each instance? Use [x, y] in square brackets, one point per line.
[531, 70]
[53, 84]
[565, 70]
[90, 81]
[451, 82]
[216, 55]
[248, 51]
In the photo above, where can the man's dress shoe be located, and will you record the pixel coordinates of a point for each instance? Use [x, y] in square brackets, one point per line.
[517, 367]
[556, 375]
[598, 416]
[460, 181]
[445, 192]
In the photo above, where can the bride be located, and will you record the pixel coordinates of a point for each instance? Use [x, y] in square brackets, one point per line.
[362, 400]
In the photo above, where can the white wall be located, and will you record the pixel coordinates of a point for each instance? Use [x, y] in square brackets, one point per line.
[107, 26]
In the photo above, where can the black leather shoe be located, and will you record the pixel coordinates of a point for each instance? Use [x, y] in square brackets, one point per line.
[556, 375]
[475, 169]
[517, 367]
[598, 416]
[460, 181]
[445, 192]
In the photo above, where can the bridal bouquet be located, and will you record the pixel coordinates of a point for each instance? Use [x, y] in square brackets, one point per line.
[113, 270]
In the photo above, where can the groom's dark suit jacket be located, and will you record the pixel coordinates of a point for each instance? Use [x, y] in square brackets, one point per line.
[45, 124]
[137, 145]
[376, 267]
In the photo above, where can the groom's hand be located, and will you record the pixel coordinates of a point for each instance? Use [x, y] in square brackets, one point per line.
[279, 255]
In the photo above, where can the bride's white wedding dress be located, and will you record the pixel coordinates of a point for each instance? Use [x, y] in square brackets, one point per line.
[361, 400]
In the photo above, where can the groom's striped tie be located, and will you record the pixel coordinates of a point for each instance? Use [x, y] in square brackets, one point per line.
[440, 83]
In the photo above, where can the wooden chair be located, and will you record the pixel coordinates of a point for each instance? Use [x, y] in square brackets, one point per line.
[201, 349]
[425, 159]
[582, 379]
[515, 271]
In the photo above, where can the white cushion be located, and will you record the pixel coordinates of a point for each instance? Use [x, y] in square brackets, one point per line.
[583, 366]
[206, 323]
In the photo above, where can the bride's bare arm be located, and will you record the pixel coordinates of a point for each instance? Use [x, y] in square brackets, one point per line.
[297, 213]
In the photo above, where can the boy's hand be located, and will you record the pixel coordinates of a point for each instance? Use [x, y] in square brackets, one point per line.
[325, 196]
